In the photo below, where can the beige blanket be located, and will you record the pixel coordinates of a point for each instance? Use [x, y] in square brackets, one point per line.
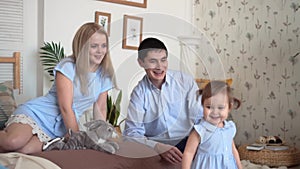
[21, 161]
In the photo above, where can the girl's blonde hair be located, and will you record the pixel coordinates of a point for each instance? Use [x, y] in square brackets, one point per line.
[216, 86]
[81, 56]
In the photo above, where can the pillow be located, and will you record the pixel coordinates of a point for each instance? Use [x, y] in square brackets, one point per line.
[7, 102]
[3, 118]
[203, 82]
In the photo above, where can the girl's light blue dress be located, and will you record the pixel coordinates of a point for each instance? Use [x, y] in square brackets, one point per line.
[215, 149]
[45, 110]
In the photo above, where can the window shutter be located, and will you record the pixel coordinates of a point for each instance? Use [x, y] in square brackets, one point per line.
[11, 36]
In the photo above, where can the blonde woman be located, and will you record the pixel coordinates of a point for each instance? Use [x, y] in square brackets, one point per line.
[81, 80]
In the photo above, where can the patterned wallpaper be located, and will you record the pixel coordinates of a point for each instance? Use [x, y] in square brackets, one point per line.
[258, 44]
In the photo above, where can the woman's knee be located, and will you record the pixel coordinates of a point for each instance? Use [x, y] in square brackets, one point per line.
[33, 146]
[12, 143]
[25, 150]
[15, 136]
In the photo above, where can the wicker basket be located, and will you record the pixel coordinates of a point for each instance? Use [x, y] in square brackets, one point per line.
[290, 157]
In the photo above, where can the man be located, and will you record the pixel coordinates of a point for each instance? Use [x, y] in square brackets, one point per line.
[163, 106]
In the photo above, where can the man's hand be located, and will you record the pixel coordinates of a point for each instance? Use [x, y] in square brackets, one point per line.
[169, 153]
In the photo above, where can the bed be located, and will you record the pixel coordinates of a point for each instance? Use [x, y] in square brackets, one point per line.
[10, 80]
[131, 155]
[15, 60]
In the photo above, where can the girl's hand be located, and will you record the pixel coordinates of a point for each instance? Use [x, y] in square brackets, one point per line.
[236, 156]
[190, 149]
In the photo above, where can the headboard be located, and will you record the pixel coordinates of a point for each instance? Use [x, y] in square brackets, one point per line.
[202, 82]
[15, 60]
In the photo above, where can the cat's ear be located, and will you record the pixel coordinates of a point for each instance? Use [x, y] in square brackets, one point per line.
[94, 124]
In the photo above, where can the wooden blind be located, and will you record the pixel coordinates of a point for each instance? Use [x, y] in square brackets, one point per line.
[11, 36]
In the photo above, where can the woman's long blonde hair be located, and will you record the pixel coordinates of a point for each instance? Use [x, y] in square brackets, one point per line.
[81, 56]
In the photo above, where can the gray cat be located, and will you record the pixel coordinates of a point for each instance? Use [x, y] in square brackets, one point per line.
[96, 137]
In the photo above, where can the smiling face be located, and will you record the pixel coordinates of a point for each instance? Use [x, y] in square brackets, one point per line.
[155, 65]
[216, 109]
[97, 50]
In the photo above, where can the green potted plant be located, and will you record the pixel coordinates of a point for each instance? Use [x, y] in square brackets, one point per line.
[51, 53]
[113, 111]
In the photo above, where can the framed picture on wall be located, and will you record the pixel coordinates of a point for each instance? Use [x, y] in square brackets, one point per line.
[132, 32]
[103, 19]
[137, 3]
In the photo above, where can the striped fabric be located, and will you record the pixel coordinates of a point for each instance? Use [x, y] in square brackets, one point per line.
[7, 102]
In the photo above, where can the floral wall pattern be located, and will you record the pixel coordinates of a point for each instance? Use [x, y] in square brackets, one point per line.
[258, 43]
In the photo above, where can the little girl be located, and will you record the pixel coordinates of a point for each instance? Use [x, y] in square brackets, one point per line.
[212, 137]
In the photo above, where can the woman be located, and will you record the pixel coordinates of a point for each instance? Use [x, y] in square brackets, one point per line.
[81, 80]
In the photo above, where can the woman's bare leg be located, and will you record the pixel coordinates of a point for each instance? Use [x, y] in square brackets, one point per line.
[15, 136]
[33, 146]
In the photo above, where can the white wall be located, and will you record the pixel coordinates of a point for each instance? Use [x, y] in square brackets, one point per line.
[58, 20]
[29, 52]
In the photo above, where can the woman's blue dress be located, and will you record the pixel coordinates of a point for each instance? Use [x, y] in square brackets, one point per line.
[45, 110]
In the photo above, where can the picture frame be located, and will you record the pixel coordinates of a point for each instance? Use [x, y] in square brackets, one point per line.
[132, 32]
[136, 3]
[103, 19]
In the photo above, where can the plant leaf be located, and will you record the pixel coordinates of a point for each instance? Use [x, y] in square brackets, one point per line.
[113, 109]
[50, 54]
[118, 101]
[108, 107]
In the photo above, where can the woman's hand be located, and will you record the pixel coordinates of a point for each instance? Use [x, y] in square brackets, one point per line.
[99, 108]
[64, 88]
[169, 153]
